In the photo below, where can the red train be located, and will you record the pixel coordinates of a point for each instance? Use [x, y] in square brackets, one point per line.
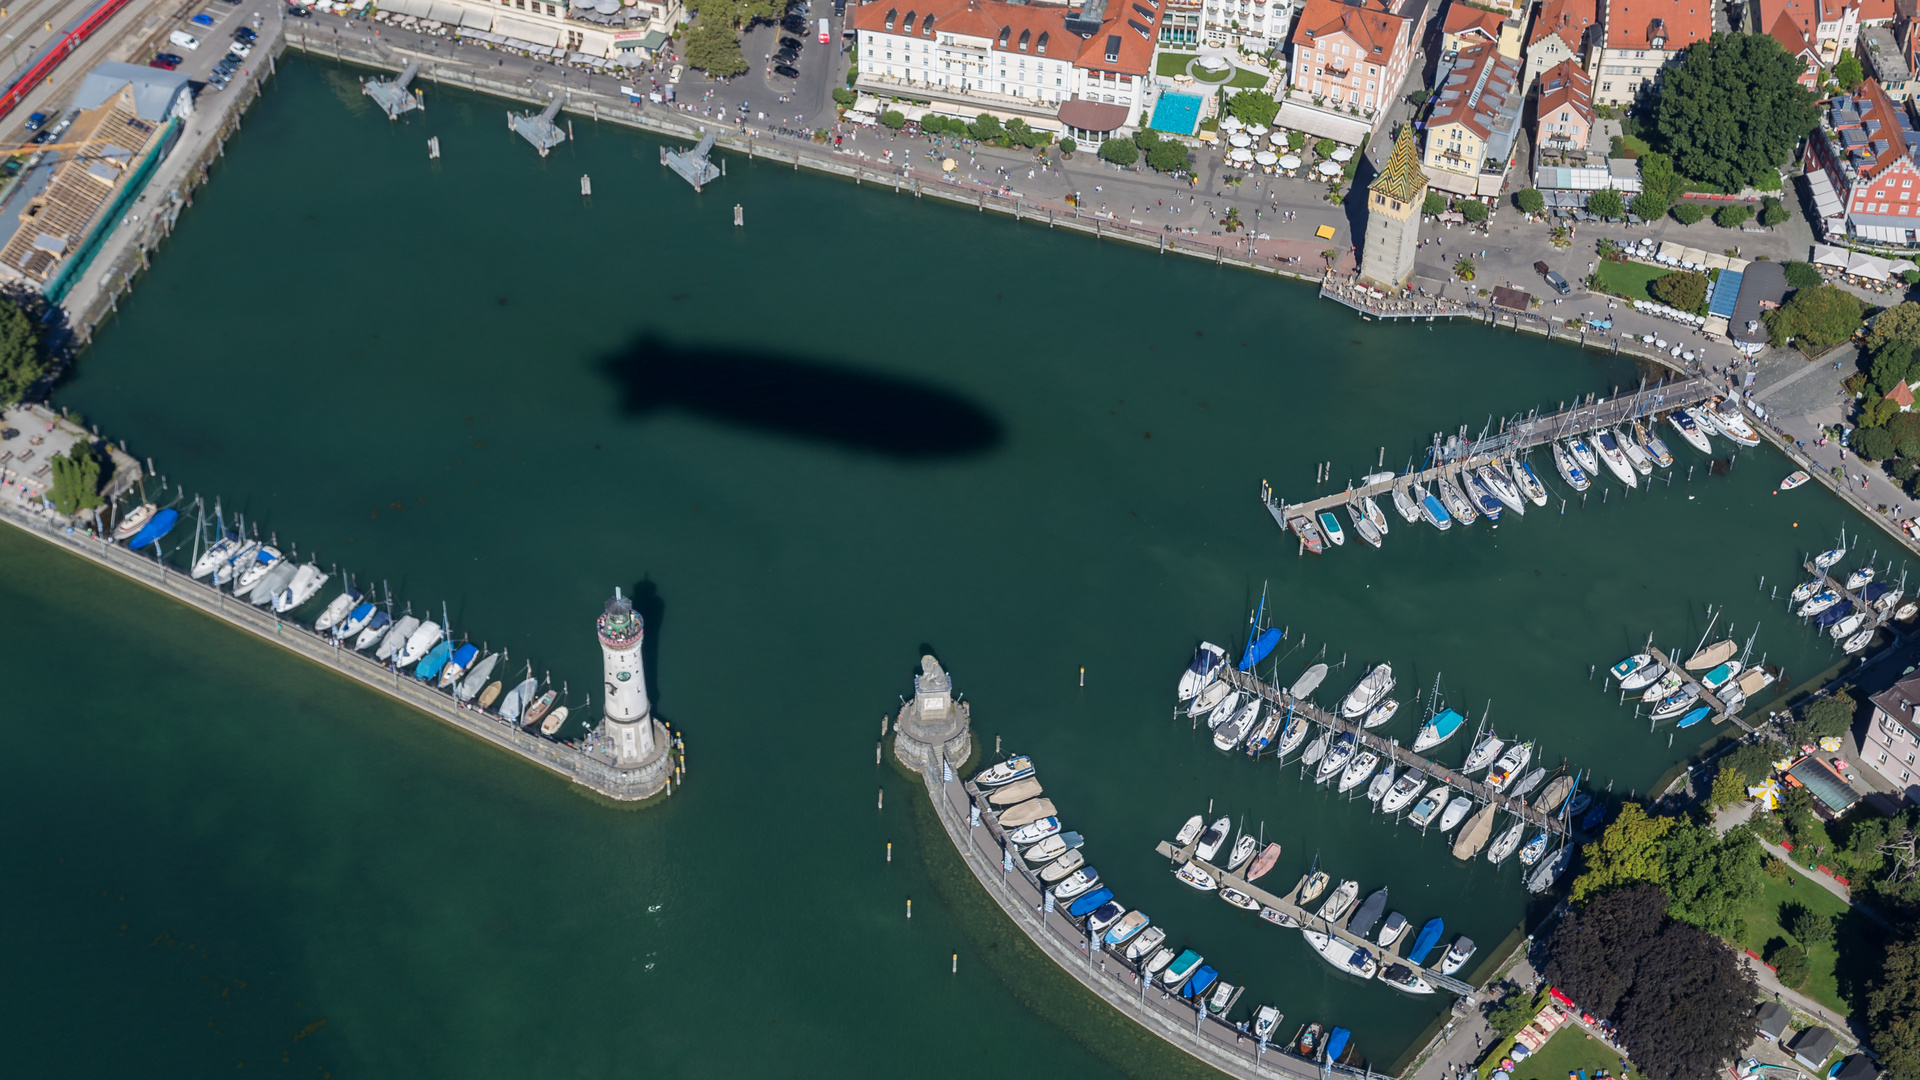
[58, 50]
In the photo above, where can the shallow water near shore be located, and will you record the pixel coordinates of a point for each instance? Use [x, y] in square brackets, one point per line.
[861, 427]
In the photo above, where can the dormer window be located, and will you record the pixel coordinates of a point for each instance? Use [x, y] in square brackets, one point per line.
[891, 14]
[1040, 46]
[1005, 33]
[926, 28]
[1113, 48]
[1025, 36]
[907, 26]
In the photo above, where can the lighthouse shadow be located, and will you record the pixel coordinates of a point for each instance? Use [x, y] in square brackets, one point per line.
[653, 612]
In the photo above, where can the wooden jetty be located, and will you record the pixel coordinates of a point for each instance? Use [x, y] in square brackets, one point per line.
[1721, 714]
[1515, 436]
[1840, 586]
[1288, 905]
[1400, 755]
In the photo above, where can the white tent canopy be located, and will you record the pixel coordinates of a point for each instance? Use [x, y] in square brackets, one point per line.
[1829, 256]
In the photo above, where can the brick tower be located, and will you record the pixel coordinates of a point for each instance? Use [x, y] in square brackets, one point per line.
[1393, 215]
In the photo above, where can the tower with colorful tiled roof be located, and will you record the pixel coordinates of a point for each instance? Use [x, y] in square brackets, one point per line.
[1393, 215]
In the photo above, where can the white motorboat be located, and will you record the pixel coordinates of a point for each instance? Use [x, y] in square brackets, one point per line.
[1317, 749]
[1294, 735]
[218, 553]
[374, 632]
[1391, 930]
[1224, 711]
[1675, 704]
[1209, 696]
[1844, 628]
[1409, 787]
[1347, 958]
[241, 559]
[1663, 686]
[1432, 509]
[1615, 461]
[1404, 505]
[1207, 664]
[1457, 956]
[1652, 444]
[336, 609]
[1443, 726]
[1576, 477]
[1506, 843]
[1689, 429]
[419, 643]
[1058, 869]
[1190, 874]
[1018, 767]
[1535, 848]
[1509, 766]
[1362, 525]
[1239, 899]
[1316, 883]
[1358, 770]
[1146, 943]
[1803, 593]
[1308, 682]
[1051, 847]
[1034, 831]
[1228, 735]
[1627, 667]
[1124, 931]
[1265, 1019]
[270, 584]
[1406, 979]
[1381, 783]
[1427, 808]
[1726, 416]
[1644, 677]
[1337, 757]
[1372, 510]
[355, 621]
[1190, 831]
[133, 521]
[1380, 713]
[1377, 684]
[1243, 850]
[1104, 916]
[1159, 962]
[1211, 840]
[306, 582]
[1582, 452]
[1502, 487]
[1853, 644]
[1529, 484]
[1636, 456]
[1859, 578]
[1483, 753]
[1703, 416]
[1076, 883]
[1455, 813]
[264, 559]
[1456, 502]
[1337, 904]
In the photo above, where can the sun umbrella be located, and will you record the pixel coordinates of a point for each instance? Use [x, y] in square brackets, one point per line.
[1240, 155]
[1290, 162]
[1240, 139]
[1231, 123]
[1267, 158]
[1328, 168]
[1341, 154]
[1257, 130]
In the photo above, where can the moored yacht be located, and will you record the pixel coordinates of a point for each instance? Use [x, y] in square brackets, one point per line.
[1528, 482]
[1636, 455]
[1582, 452]
[1405, 506]
[1483, 753]
[1404, 790]
[1576, 477]
[1206, 666]
[1437, 730]
[1371, 689]
[1433, 510]
[1614, 459]
[1348, 958]
[1689, 429]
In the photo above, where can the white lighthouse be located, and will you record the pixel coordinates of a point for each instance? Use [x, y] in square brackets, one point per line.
[629, 715]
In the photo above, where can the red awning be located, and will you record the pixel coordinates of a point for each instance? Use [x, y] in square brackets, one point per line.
[1562, 998]
[1093, 115]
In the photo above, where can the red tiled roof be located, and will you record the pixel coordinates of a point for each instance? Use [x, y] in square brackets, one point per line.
[1566, 86]
[1002, 22]
[1475, 90]
[1372, 25]
[1633, 24]
[1803, 14]
[1567, 18]
[1463, 18]
[1901, 395]
[1092, 115]
[1788, 33]
[1882, 108]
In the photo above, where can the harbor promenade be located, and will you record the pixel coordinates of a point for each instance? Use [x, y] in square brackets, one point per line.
[1400, 755]
[592, 771]
[1005, 877]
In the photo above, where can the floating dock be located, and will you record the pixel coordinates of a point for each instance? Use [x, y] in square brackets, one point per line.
[1721, 714]
[694, 166]
[539, 130]
[1400, 755]
[392, 95]
[1515, 437]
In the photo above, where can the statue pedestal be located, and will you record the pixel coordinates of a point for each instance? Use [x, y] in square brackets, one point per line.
[932, 726]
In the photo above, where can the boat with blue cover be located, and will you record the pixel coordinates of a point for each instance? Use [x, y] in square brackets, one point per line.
[355, 621]
[1259, 642]
[1694, 717]
[1336, 1044]
[1429, 937]
[1089, 902]
[435, 659]
[1181, 969]
[157, 526]
[1570, 470]
[1438, 730]
[1433, 509]
[1201, 981]
[1482, 496]
[457, 664]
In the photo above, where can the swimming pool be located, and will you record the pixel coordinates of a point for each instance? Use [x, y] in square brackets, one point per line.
[1176, 114]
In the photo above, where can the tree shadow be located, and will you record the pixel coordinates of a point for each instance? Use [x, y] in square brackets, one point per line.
[862, 411]
[1859, 949]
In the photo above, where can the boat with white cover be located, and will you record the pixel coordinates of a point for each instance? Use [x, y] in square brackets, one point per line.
[1317, 749]
[1377, 684]
[336, 609]
[1615, 461]
[1504, 845]
[1308, 682]
[272, 583]
[1527, 783]
[1456, 812]
[419, 643]
[1404, 505]
[1636, 456]
[307, 581]
[1483, 753]
[1348, 958]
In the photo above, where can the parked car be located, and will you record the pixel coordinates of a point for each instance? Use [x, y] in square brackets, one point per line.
[203, 20]
[1559, 283]
[241, 49]
[245, 34]
[787, 56]
[790, 42]
[787, 70]
[173, 60]
[184, 40]
[36, 121]
[299, 12]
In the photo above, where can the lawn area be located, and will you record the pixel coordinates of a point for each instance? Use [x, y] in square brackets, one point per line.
[1247, 78]
[1769, 908]
[1571, 1049]
[1174, 63]
[1629, 279]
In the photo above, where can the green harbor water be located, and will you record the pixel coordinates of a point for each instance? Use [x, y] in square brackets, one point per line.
[861, 427]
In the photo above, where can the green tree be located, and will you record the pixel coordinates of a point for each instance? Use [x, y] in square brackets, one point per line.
[1647, 206]
[22, 361]
[1515, 1010]
[1296, 140]
[1434, 204]
[1773, 212]
[1119, 151]
[1632, 849]
[894, 118]
[1687, 213]
[1729, 788]
[1682, 289]
[1657, 179]
[1814, 318]
[1890, 366]
[1253, 107]
[1901, 322]
[1800, 275]
[844, 97]
[1893, 1011]
[76, 479]
[1873, 443]
[1473, 210]
[1732, 215]
[1847, 72]
[1734, 110]
[1822, 717]
[714, 48]
[1790, 966]
[1167, 156]
[1530, 201]
[1608, 203]
[1325, 148]
[1068, 146]
[1712, 877]
[1813, 929]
